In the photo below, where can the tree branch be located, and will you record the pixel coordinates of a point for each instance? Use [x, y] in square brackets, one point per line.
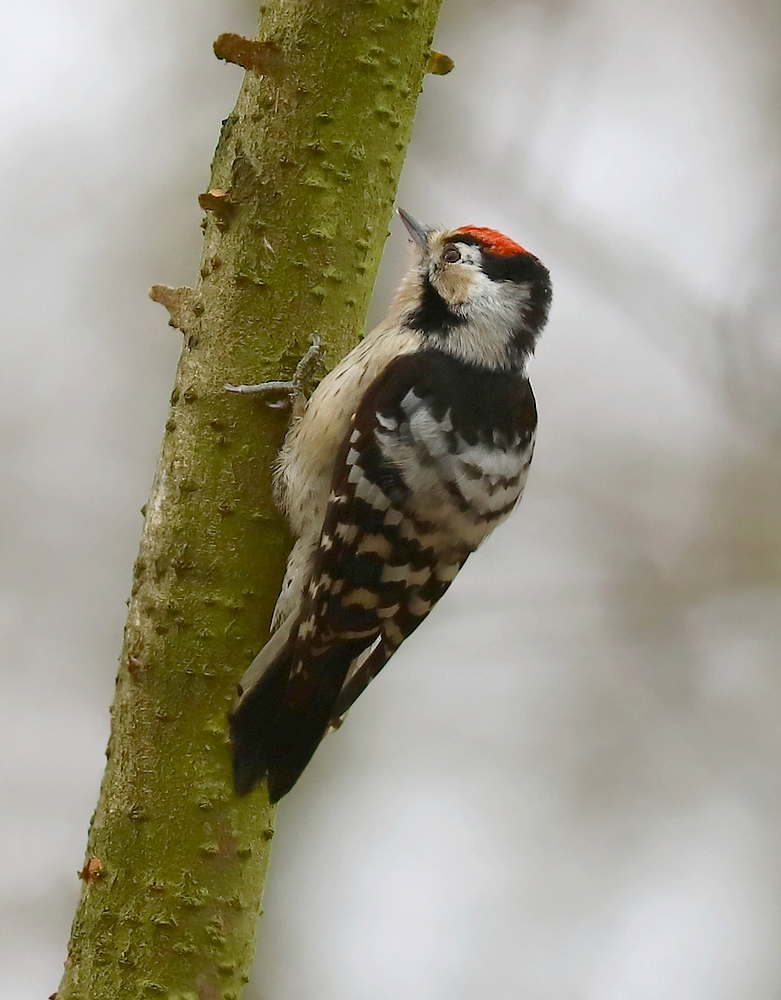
[298, 205]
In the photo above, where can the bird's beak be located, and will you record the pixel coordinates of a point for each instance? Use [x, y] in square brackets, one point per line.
[417, 230]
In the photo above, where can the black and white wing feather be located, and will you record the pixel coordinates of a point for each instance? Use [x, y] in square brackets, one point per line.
[435, 457]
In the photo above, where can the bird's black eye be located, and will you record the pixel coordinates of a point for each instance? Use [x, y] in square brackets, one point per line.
[451, 254]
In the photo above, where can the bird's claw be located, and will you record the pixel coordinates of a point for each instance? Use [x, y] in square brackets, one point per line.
[287, 391]
[305, 368]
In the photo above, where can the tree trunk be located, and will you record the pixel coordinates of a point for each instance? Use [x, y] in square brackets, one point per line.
[301, 193]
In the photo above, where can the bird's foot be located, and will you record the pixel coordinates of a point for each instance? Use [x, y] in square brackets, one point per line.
[284, 393]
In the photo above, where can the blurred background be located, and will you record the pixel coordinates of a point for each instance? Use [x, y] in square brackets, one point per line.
[567, 785]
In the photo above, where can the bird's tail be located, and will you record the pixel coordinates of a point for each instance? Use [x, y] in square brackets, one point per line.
[279, 719]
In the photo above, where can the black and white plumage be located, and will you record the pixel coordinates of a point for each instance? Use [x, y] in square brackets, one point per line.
[408, 454]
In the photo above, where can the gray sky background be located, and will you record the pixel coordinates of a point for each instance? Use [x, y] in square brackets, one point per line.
[566, 786]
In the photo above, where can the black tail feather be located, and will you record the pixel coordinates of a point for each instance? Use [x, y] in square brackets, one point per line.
[298, 732]
[252, 723]
[274, 735]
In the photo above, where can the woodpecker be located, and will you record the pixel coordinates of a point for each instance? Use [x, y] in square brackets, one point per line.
[404, 459]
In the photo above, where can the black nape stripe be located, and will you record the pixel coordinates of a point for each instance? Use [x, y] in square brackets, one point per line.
[520, 268]
[433, 314]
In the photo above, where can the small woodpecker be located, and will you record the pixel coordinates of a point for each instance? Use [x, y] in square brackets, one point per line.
[404, 459]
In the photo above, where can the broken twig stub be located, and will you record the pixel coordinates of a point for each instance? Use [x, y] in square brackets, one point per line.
[439, 64]
[182, 304]
[219, 202]
[92, 869]
[254, 55]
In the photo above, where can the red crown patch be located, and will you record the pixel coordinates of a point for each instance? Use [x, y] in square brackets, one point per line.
[493, 242]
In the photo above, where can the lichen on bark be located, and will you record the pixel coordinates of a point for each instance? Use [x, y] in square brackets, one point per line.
[301, 192]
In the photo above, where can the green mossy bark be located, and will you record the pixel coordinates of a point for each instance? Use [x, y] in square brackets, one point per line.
[310, 158]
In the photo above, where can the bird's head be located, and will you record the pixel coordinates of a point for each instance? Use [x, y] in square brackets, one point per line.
[475, 293]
